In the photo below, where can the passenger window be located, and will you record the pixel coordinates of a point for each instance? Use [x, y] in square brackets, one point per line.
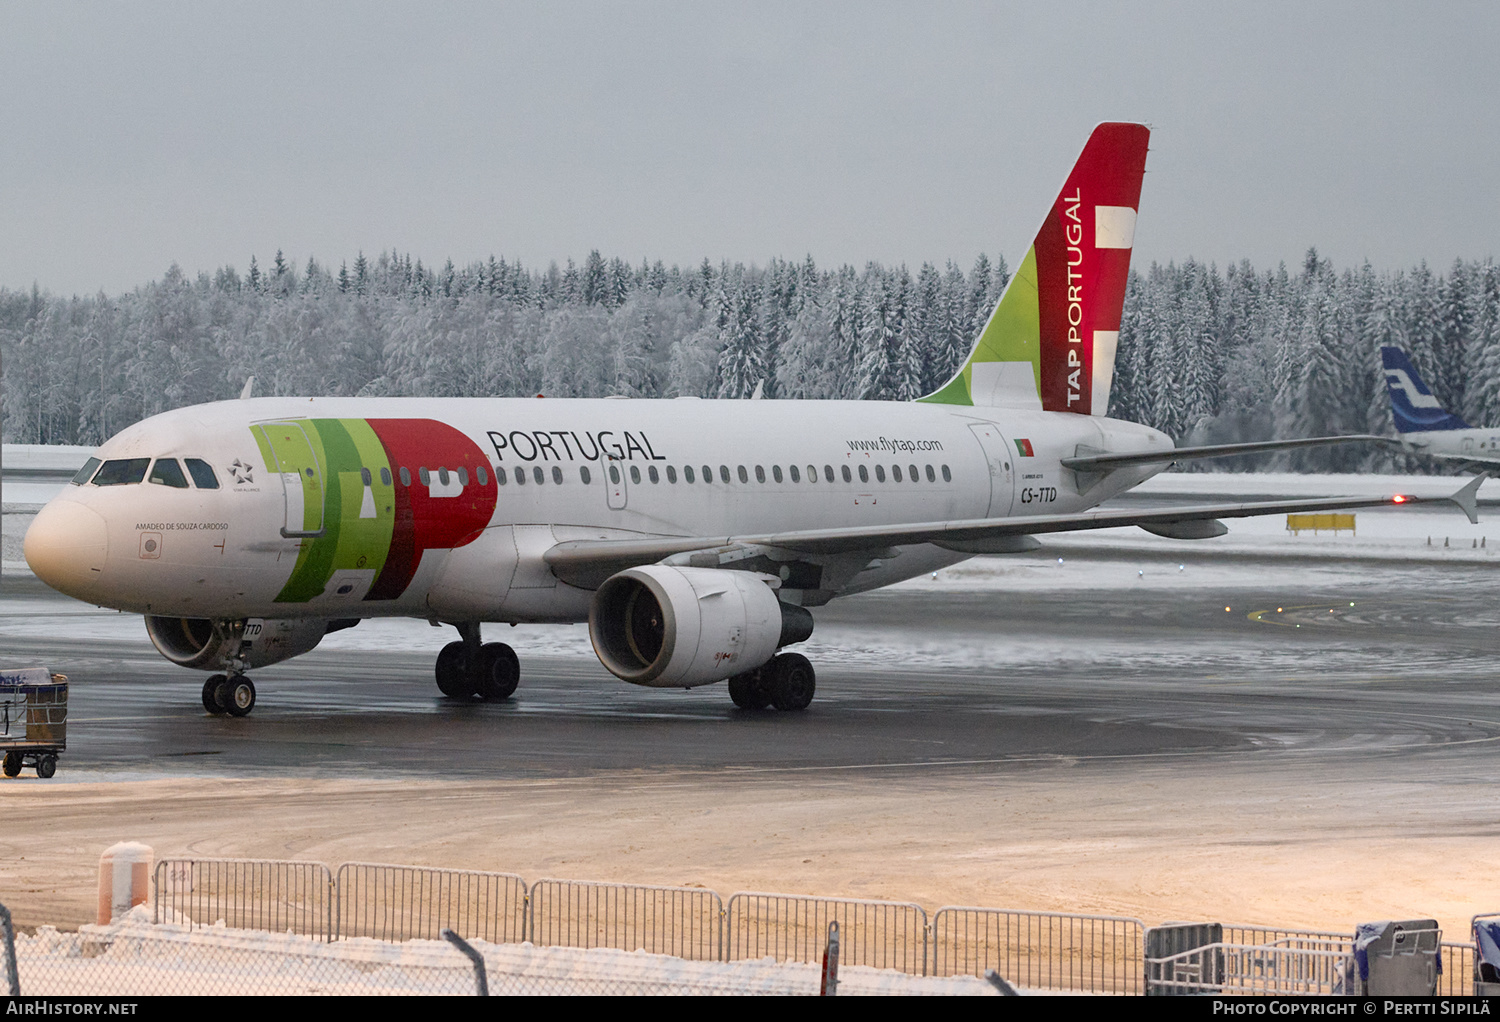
[425, 476]
[687, 473]
[828, 473]
[365, 477]
[86, 472]
[463, 476]
[405, 476]
[651, 471]
[796, 476]
[167, 472]
[385, 474]
[202, 473]
[635, 474]
[536, 473]
[947, 476]
[864, 474]
[760, 474]
[520, 476]
[557, 475]
[914, 476]
[879, 473]
[744, 476]
[501, 477]
[585, 474]
[672, 474]
[442, 475]
[847, 477]
[724, 473]
[930, 477]
[484, 476]
[895, 473]
[122, 471]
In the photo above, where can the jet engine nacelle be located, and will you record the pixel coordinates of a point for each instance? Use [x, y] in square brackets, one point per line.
[195, 642]
[672, 627]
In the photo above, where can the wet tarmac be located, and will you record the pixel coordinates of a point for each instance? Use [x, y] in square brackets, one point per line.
[1394, 664]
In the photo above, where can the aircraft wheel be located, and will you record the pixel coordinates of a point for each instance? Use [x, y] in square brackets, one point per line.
[748, 690]
[12, 765]
[222, 689]
[453, 678]
[499, 672]
[241, 696]
[46, 765]
[211, 693]
[791, 681]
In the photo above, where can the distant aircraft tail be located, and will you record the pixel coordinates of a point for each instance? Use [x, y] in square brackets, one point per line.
[1413, 406]
[1050, 343]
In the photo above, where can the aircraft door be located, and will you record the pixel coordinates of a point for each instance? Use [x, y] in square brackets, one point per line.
[301, 478]
[998, 458]
[616, 488]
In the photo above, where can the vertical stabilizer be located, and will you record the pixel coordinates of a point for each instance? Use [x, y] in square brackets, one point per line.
[1050, 343]
[1414, 408]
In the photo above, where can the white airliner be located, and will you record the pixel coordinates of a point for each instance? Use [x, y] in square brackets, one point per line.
[1424, 426]
[691, 535]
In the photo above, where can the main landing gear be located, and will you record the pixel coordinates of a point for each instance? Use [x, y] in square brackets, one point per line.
[469, 668]
[787, 683]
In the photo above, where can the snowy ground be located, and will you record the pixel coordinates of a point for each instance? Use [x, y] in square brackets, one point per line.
[135, 958]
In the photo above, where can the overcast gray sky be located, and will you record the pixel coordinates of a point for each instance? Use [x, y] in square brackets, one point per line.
[136, 135]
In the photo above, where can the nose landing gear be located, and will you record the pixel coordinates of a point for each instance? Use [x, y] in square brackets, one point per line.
[469, 668]
[233, 694]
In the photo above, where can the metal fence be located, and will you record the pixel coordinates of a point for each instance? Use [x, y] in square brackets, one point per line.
[788, 927]
[248, 894]
[1252, 969]
[400, 903]
[1457, 978]
[1038, 950]
[1044, 950]
[682, 921]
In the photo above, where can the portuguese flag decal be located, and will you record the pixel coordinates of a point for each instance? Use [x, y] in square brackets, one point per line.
[1023, 448]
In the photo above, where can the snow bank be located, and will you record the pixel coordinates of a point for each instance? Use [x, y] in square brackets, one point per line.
[133, 957]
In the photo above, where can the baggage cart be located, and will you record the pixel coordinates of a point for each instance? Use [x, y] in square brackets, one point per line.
[33, 720]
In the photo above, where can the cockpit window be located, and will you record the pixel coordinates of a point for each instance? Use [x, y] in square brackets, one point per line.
[85, 472]
[122, 471]
[202, 473]
[167, 472]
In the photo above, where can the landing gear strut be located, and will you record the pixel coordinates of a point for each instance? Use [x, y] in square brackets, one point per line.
[787, 683]
[469, 668]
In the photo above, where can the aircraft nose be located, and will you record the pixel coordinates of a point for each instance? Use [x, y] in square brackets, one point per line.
[66, 547]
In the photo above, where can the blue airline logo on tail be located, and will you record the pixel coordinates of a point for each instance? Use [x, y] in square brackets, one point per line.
[1413, 406]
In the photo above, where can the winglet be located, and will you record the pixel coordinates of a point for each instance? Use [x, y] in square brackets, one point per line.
[249, 389]
[1467, 498]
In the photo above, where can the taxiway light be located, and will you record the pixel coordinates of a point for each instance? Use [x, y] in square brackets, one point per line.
[1226, 610]
[1398, 499]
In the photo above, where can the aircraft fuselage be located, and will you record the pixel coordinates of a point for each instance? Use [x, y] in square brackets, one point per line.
[341, 508]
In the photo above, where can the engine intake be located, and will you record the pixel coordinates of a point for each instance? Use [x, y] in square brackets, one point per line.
[195, 641]
[671, 627]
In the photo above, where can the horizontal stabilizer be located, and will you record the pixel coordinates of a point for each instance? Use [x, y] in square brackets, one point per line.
[1106, 462]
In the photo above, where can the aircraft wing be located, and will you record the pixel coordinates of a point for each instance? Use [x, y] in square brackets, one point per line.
[588, 562]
